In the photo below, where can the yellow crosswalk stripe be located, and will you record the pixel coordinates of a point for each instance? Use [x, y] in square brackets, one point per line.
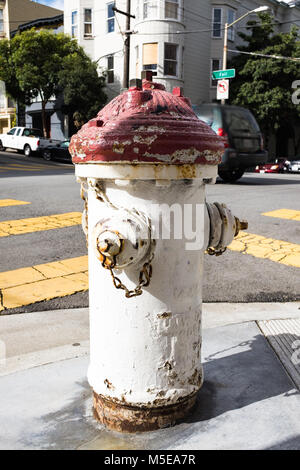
[289, 214]
[12, 202]
[38, 224]
[42, 282]
[267, 248]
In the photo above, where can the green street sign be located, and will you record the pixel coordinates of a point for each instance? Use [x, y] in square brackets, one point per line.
[219, 74]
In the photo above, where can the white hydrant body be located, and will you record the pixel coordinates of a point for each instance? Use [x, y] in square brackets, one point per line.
[145, 363]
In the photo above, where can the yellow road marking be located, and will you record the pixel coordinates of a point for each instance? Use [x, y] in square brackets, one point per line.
[43, 282]
[8, 168]
[289, 214]
[12, 202]
[31, 166]
[38, 224]
[267, 248]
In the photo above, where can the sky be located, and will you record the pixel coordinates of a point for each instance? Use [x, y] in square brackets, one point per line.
[53, 3]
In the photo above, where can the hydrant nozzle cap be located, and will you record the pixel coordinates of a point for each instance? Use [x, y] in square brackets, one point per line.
[109, 243]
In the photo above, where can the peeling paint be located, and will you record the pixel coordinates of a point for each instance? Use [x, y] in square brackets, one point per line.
[164, 315]
[145, 140]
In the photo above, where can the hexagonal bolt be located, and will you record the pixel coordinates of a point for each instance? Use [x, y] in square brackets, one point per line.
[109, 243]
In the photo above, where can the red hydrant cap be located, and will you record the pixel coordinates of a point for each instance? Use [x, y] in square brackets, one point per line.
[147, 124]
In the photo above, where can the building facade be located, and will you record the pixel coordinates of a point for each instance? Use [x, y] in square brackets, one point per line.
[180, 41]
[14, 14]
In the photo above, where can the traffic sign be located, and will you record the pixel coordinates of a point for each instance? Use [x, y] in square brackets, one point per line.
[223, 90]
[219, 74]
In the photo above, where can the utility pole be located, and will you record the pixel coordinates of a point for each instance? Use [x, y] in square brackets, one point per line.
[126, 42]
[127, 47]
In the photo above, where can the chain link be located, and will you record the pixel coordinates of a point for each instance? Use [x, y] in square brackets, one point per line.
[144, 280]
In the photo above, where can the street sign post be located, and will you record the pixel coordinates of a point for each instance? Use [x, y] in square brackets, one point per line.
[220, 74]
[223, 90]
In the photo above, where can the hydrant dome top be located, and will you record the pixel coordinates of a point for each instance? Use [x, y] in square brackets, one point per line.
[147, 124]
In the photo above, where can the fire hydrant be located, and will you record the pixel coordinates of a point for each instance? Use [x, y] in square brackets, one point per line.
[143, 164]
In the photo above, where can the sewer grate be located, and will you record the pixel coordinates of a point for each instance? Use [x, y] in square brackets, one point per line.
[284, 337]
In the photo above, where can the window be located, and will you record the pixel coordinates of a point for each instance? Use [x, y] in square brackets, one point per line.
[12, 131]
[110, 18]
[231, 19]
[74, 24]
[171, 9]
[137, 61]
[1, 22]
[215, 65]
[19, 131]
[217, 23]
[150, 9]
[110, 69]
[150, 54]
[88, 23]
[170, 62]
[32, 133]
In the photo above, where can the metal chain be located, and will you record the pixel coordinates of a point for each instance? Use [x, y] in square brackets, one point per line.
[85, 221]
[146, 271]
[144, 280]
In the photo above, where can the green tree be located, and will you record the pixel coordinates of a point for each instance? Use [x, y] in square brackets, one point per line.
[82, 88]
[43, 64]
[264, 85]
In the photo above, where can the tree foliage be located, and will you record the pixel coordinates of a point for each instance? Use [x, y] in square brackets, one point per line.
[264, 85]
[43, 64]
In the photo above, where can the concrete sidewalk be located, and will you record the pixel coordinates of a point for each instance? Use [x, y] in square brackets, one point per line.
[249, 400]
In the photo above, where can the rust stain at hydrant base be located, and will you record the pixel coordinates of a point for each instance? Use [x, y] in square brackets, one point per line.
[123, 418]
[147, 148]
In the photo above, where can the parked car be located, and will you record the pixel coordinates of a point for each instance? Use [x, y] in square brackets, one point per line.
[59, 151]
[23, 139]
[294, 166]
[244, 146]
[280, 165]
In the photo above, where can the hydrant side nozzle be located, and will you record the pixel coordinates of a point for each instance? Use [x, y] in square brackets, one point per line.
[240, 225]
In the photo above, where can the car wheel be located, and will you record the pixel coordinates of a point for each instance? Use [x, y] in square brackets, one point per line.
[27, 150]
[230, 176]
[2, 149]
[47, 155]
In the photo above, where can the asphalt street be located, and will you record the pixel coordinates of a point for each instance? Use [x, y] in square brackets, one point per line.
[51, 189]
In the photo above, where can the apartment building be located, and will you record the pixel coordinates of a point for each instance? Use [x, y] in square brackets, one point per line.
[181, 41]
[14, 13]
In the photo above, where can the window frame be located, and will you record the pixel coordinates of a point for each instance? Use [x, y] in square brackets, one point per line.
[109, 69]
[171, 60]
[150, 17]
[217, 23]
[87, 35]
[176, 2]
[152, 67]
[2, 21]
[231, 31]
[110, 18]
[74, 25]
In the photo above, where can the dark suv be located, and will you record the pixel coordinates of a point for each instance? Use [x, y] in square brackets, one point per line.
[243, 140]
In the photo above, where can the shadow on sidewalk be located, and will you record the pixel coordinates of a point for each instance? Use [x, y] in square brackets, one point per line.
[244, 374]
